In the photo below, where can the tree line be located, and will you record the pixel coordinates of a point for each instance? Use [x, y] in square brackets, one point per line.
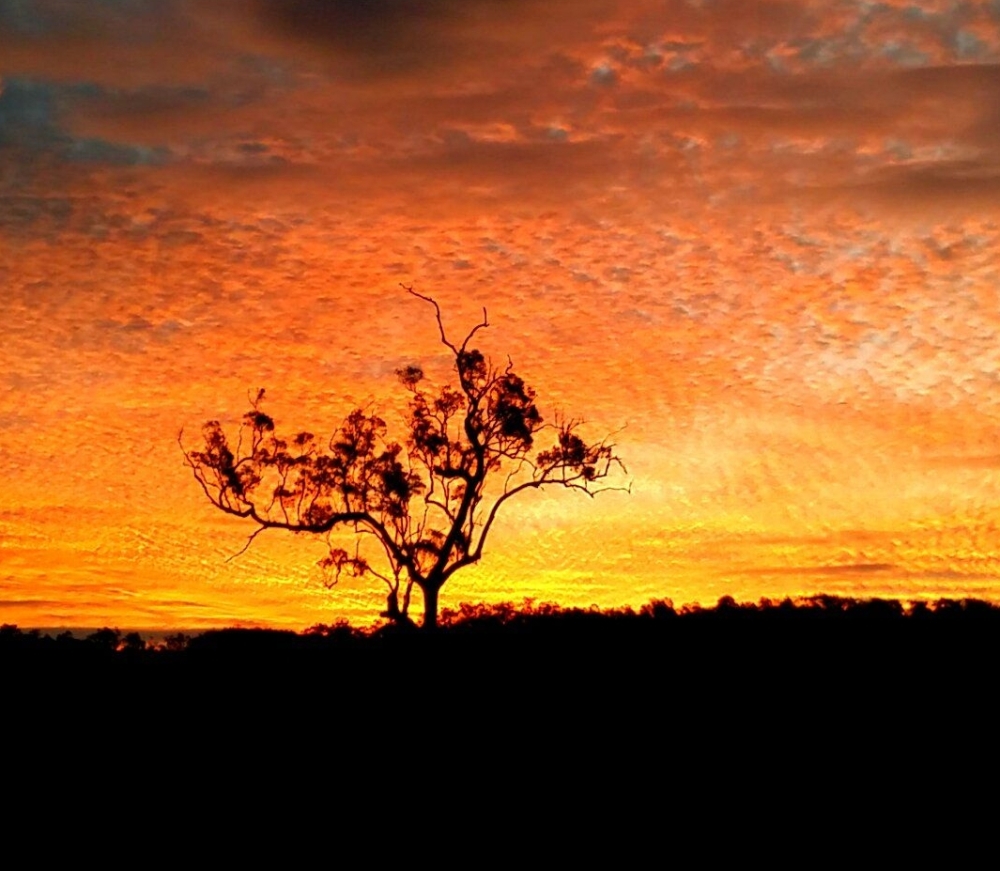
[527, 618]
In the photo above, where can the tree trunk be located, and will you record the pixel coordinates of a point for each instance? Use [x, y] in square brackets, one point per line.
[430, 606]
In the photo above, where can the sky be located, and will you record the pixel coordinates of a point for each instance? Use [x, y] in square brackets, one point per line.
[759, 241]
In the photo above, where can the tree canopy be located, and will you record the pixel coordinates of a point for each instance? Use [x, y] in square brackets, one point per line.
[420, 509]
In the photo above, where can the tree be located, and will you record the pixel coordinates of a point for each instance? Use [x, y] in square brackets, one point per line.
[426, 507]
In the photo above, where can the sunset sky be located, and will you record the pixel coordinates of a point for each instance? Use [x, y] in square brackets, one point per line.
[761, 239]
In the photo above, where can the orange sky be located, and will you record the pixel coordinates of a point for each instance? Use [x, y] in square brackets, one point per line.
[763, 237]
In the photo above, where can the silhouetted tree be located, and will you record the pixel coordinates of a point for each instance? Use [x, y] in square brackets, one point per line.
[132, 642]
[176, 642]
[426, 506]
[105, 639]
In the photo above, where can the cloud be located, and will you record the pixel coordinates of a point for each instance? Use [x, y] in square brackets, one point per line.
[923, 187]
[30, 119]
[30, 604]
[110, 42]
[47, 18]
[100, 151]
[27, 114]
[848, 569]
[402, 33]
[200, 123]
[774, 102]
[389, 38]
[604, 76]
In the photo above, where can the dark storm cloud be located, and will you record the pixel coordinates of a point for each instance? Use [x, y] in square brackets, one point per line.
[48, 19]
[113, 153]
[923, 185]
[152, 114]
[938, 126]
[982, 79]
[153, 100]
[31, 18]
[30, 119]
[396, 37]
[27, 115]
[111, 41]
[939, 90]
[364, 26]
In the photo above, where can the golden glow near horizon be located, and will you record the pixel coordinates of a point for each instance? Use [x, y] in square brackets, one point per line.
[762, 237]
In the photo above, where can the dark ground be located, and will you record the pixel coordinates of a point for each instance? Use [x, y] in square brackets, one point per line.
[495, 656]
[771, 711]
